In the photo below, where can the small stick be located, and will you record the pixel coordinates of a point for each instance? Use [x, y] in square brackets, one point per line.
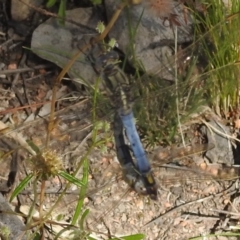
[158, 219]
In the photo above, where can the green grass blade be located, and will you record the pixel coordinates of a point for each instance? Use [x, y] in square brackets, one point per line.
[51, 3]
[21, 186]
[34, 147]
[84, 215]
[62, 11]
[131, 237]
[96, 2]
[82, 193]
[72, 179]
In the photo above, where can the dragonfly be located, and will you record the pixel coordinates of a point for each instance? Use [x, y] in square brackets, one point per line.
[117, 83]
[115, 80]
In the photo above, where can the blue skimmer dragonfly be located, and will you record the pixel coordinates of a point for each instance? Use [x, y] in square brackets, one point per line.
[117, 84]
[118, 87]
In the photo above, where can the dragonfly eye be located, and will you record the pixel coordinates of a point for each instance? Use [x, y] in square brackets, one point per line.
[142, 186]
[139, 187]
[134, 180]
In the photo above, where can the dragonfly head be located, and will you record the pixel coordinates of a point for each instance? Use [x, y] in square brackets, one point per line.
[143, 184]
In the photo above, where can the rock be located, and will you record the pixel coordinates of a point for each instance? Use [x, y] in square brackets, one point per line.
[149, 43]
[147, 29]
[58, 44]
[10, 221]
[217, 134]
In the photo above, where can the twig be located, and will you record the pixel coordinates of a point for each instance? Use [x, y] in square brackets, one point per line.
[176, 84]
[18, 138]
[6, 42]
[225, 212]
[36, 77]
[211, 128]
[27, 69]
[158, 219]
[12, 110]
[195, 217]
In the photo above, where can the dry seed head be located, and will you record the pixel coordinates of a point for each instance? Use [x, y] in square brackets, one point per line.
[47, 164]
[160, 8]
